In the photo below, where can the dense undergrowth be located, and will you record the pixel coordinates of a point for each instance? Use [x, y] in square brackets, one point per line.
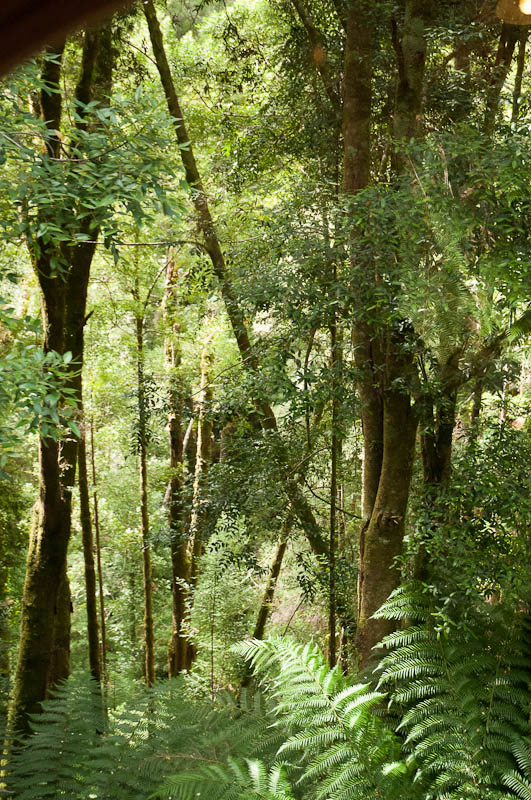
[444, 717]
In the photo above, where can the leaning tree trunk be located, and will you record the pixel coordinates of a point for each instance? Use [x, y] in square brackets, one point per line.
[45, 607]
[269, 591]
[265, 416]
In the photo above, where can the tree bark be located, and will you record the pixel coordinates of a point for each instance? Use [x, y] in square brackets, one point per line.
[149, 636]
[59, 668]
[98, 554]
[179, 645]
[64, 304]
[382, 541]
[88, 554]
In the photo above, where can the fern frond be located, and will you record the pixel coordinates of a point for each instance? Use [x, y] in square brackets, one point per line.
[465, 697]
[237, 780]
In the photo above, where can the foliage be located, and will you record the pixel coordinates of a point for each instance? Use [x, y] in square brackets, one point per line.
[463, 693]
[462, 696]
[76, 752]
[34, 392]
[476, 530]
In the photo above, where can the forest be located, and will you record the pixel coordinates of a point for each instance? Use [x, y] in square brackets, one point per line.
[265, 379]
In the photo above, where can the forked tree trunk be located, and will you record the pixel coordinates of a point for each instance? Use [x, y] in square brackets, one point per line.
[45, 607]
[149, 637]
[388, 415]
[88, 555]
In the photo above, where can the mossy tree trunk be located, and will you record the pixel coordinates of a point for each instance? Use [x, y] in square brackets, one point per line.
[45, 605]
[388, 415]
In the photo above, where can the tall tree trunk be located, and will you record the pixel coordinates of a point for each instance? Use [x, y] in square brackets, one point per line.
[103, 660]
[335, 364]
[202, 464]
[264, 413]
[149, 638]
[44, 604]
[88, 555]
[180, 559]
[388, 415]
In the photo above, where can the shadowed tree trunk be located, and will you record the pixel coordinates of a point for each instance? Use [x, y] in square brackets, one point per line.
[508, 39]
[64, 298]
[59, 669]
[520, 66]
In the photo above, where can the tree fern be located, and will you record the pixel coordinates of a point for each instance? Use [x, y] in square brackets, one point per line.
[459, 728]
[76, 753]
[464, 694]
[341, 746]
